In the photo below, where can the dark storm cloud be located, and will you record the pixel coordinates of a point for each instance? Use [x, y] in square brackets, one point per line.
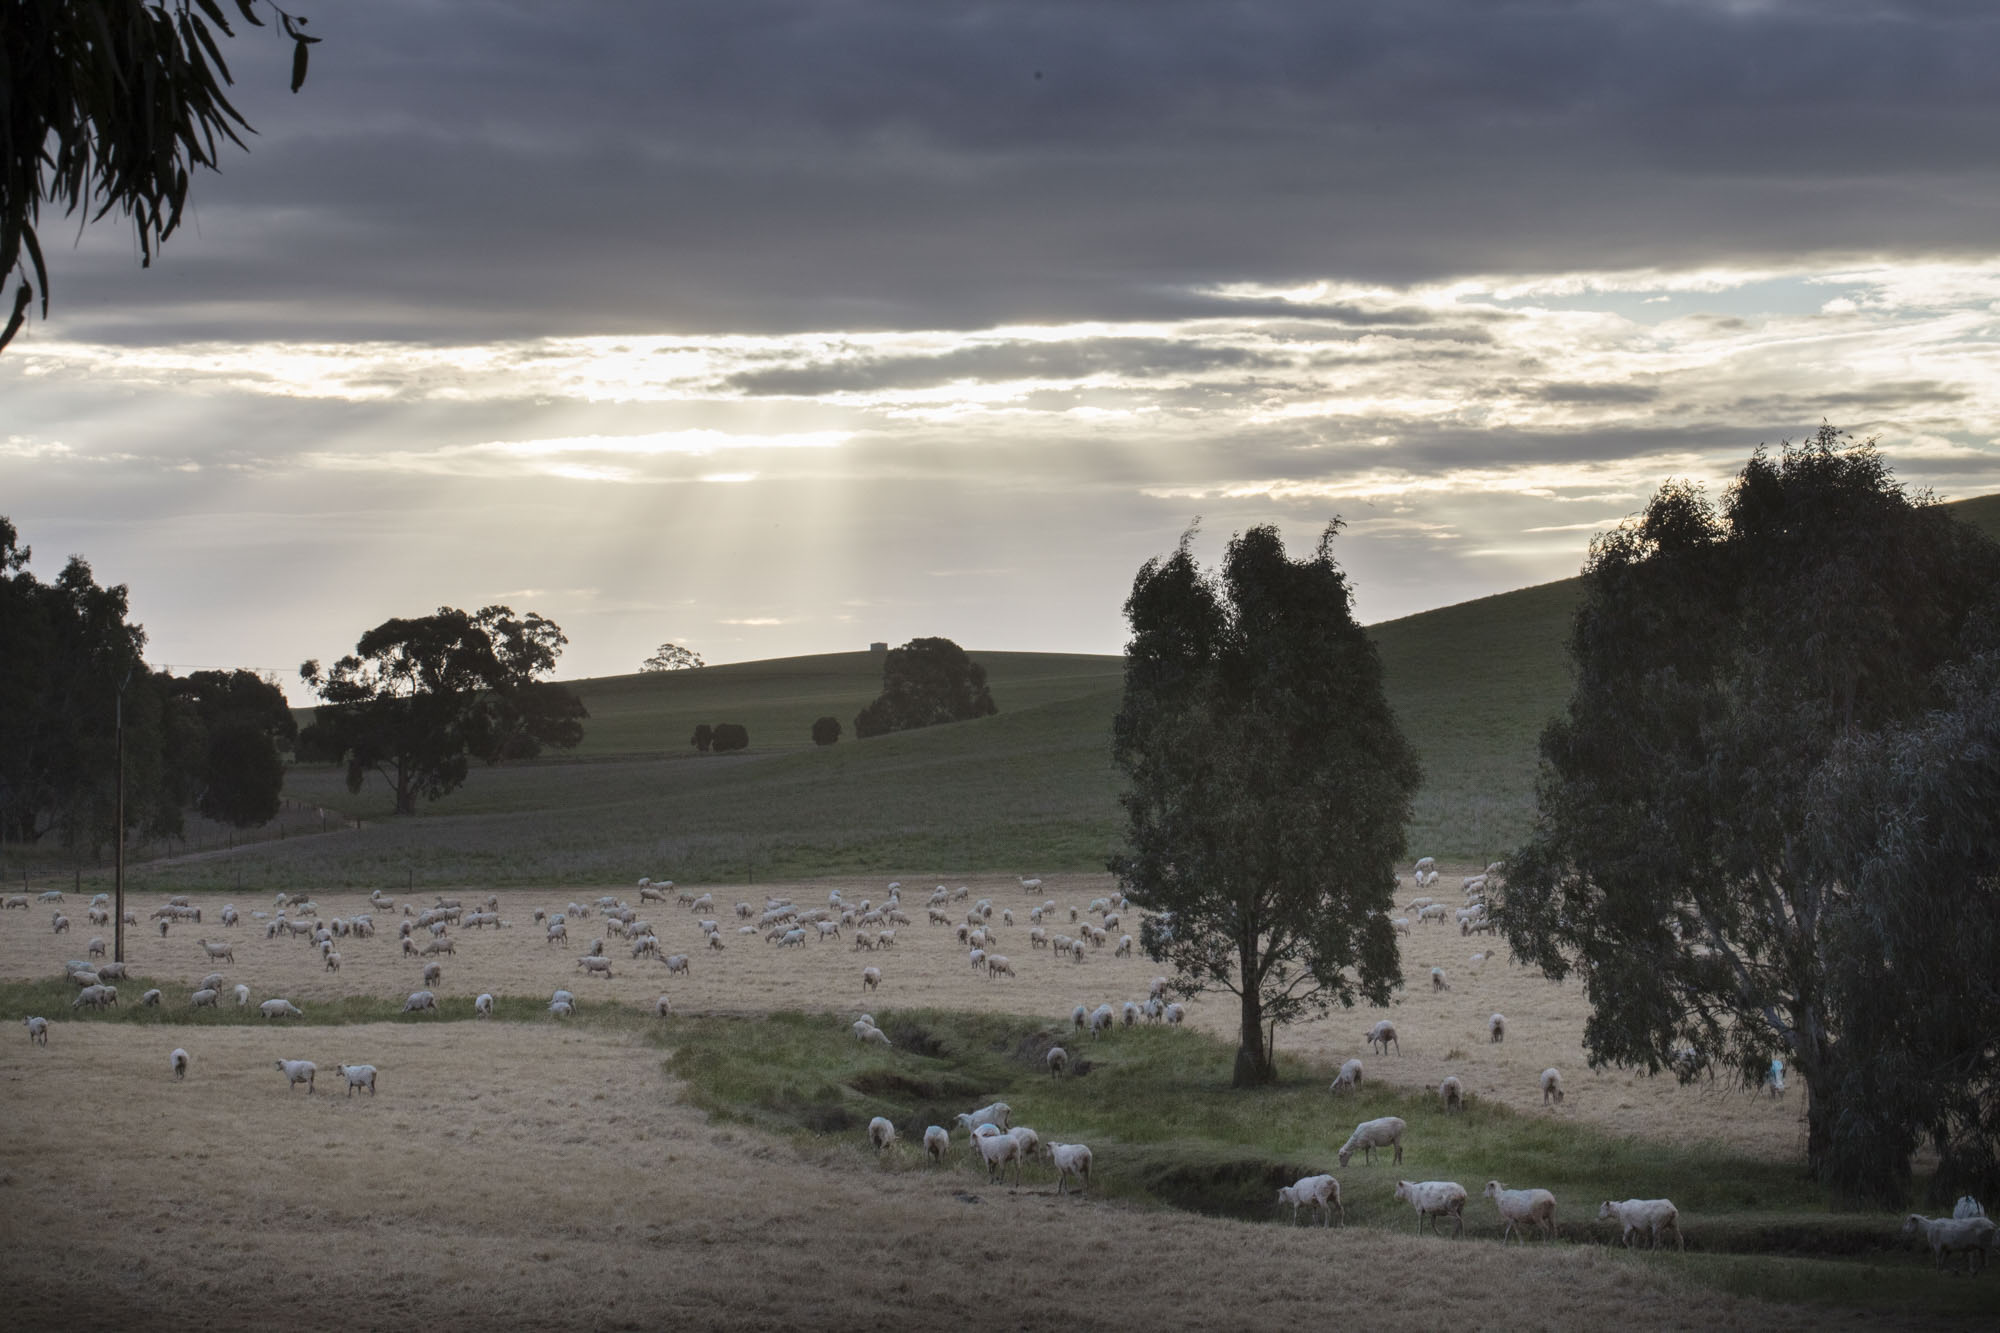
[477, 171]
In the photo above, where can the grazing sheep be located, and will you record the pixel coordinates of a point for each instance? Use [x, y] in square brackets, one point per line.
[280, 1009]
[242, 997]
[1437, 979]
[1536, 1207]
[420, 999]
[1654, 1215]
[1452, 1093]
[1434, 1199]
[38, 1029]
[1322, 1192]
[224, 952]
[95, 997]
[996, 1114]
[561, 1008]
[357, 1076]
[297, 1072]
[213, 981]
[1496, 1028]
[96, 948]
[937, 1143]
[178, 1062]
[998, 1150]
[881, 1133]
[1130, 1013]
[1381, 1035]
[595, 965]
[112, 972]
[1386, 1132]
[661, 1007]
[333, 961]
[1030, 1142]
[871, 977]
[483, 1006]
[1071, 1159]
[677, 964]
[1552, 1086]
[1948, 1235]
[205, 998]
[151, 999]
[1058, 1061]
[1349, 1079]
[872, 1035]
[1079, 1018]
[61, 925]
[1101, 1019]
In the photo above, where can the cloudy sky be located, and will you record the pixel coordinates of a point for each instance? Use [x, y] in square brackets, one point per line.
[780, 326]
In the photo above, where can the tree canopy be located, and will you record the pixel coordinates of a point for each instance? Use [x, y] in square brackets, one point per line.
[672, 657]
[234, 725]
[825, 730]
[109, 105]
[924, 682]
[1721, 836]
[419, 698]
[1269, 785]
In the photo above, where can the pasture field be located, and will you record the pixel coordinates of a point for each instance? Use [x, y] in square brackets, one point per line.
[605, 1171]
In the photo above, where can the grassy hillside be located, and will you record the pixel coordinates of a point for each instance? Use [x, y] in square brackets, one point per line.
[1029, 790]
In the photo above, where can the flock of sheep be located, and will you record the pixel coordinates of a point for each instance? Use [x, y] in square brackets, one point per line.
[426, 935]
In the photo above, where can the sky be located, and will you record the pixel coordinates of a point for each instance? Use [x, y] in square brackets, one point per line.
[783, 326]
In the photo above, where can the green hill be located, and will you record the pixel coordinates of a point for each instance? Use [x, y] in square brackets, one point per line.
[1030, 790]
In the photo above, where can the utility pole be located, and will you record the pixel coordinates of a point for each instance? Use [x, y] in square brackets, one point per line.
[118, 881]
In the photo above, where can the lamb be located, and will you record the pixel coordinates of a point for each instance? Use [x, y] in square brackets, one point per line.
[1058, 1061]
[1349, 1080]
[937, 1143]
[1452, 1093]
[1496, 1028]
[1948, 1235]
[1552, 1086]
[483, 1006]
[297, 1072]
[280, 1009]
[205, 998]
[998, 1150]
[997, 1115]
[1386, 1132]
[151, 999]
[1434, 1199]
[38, 1029]
[1381, 1035]
[223, 952]
[1536, 1207]
[1071, 1159]
[357, 1076]
[1654, 1215]
[420, 999]
[1322, 1192]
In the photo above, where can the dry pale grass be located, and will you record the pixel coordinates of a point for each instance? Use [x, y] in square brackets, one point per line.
[1442, 1032]
[539, 1176]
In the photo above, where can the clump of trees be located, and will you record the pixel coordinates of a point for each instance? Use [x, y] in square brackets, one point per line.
[1268, 786]
[419, 698]
[924, 682]
[71, 663]
[672, 657]
[826, 731]
[1770, 813]
[721, 738]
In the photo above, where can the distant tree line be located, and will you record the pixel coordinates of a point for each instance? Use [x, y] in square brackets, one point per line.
[212, 741]
[925, 682]
[721, 738]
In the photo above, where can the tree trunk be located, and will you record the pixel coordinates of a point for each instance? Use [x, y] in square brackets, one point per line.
[406, 799]
[1253, 1057]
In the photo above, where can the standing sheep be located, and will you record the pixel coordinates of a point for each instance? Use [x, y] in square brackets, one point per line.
[1071, 1159]
[871, 977]
[1654, 1215]
[1948, 1235]
[1535, 1207]
[483, 1006]
[38, 1029]
[1322, 1192]
[1349, 1079]
[1437, 979]
[178, 1062]
[1386, 1132]
[1058, 1061]
[297, 1072]
[1381, 1035]
[1452, 1093]
[1496, 1028]
[357, 1076]
[1434, 1199]
[998, 1150]
[1552, 1086]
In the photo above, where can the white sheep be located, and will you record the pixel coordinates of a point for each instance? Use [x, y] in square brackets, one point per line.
[205, 998]
[151, 999]
[937, 1143]
[213, 981]
[662, 1007]
[1438, 981]
[1434, 1199]
[1349, 1079]
[1381, 1035]
[1967, 1206]
[871, 1035]
[178, 1062]
[1079, 1018]
[1653, 1215]
[881, 1132]
[1071, 1159]
[1535, 1207]
[1322, 1192]
[1029, 1141]
[1058, 1061]
[297, 1072]
[1130, 1013]
[419, 1000]
[562, 996]
[280, 1008]
[357, 1076]
[595, 966]
[1552, 1086]
[483, 1006]
[997, 965]
[1948, 1235]
[1175, 1013]
[223, 952]
[871, 977]
[95, 997]
[1496, 1028]
[1452, 1093]
[1386, 1132]
[433, 973]
[996, 1114]
[242, 997]
[38, 1029]
[561, 1008]
[998, 1150]
[1101, 1020]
